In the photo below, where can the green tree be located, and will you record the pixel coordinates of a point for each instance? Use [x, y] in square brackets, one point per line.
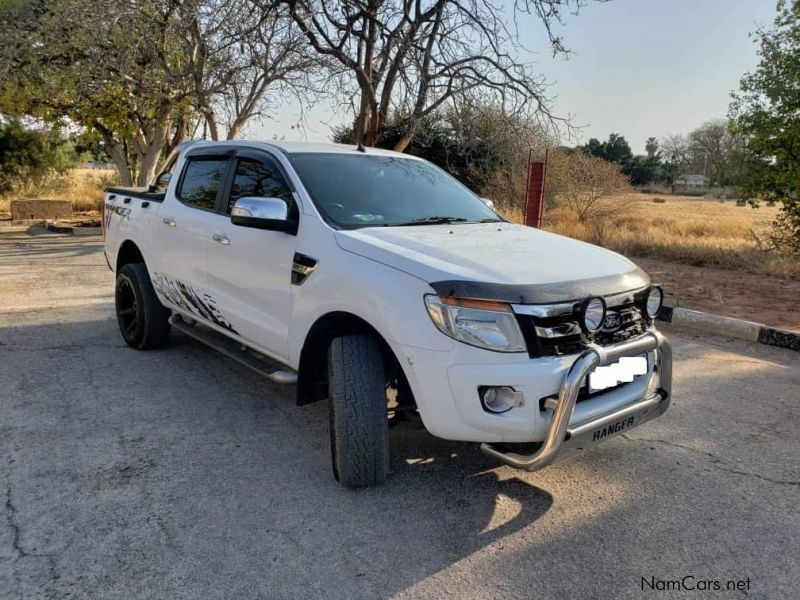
[140, 75]
[764, 111]
[110, 69]
[480, 145]
[29, 155]
[639, 169]
[651, 147]
[616, 149]
[644, 169]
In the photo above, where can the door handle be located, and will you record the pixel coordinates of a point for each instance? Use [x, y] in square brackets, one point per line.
[168, 221]
[221, 239]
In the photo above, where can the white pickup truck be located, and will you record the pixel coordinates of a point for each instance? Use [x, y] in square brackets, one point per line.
[379, 282]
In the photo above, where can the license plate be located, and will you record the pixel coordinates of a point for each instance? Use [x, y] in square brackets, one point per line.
[622, 371]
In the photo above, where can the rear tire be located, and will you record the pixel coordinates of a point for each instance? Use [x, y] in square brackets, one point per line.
[358, 422]
[143, 321]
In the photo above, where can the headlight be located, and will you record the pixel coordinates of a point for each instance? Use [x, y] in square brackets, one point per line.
[485, 324]
[591, 314]
[653, 301]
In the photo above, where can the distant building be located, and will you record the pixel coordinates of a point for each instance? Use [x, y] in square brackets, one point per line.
[694, 181]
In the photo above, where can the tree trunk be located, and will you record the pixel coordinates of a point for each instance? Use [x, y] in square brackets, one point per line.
[235, 127]
[359, 130]
[149, 161]
[213, 128]
[117, 153]
[178, 135]
[407, 136]
[151, 156]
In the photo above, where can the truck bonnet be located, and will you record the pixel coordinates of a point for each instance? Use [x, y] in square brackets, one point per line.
[502, 255]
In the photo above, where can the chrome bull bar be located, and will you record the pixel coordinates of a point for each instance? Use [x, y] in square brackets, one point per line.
[653, 405]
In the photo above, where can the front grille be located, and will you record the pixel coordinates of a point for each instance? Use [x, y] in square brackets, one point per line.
[559, 335]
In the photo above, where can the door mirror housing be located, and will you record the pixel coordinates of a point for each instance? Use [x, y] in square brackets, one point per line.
[263, 213]
[488, 203]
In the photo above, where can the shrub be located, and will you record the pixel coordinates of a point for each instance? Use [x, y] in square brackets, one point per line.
[586, 185]
[786, 234]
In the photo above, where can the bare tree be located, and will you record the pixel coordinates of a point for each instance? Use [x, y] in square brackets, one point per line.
[238, 54]
[407, 57]
[717, 152]
[589, 186]
[675, 150]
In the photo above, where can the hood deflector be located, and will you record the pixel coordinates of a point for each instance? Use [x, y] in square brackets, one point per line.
[544, 293]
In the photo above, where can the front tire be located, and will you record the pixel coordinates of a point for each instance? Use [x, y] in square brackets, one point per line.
[358, 423]
[143, 321]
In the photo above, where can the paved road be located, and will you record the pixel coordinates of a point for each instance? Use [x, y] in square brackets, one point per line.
[179, 474]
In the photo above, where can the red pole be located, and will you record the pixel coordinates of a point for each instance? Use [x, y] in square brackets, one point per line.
[534, 193]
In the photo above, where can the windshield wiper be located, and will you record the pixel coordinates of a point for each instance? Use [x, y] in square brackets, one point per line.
[428, 221]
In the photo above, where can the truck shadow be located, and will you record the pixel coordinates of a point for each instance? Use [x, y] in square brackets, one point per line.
[218, 474]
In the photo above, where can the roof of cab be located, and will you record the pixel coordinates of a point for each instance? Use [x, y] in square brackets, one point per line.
[297, 147]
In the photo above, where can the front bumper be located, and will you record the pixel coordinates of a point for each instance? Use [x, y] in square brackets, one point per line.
[565, 432]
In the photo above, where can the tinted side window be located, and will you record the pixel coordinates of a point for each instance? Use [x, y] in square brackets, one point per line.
[259, 178]
[201, 181]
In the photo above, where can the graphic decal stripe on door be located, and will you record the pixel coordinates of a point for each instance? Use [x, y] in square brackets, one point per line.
[202, 305]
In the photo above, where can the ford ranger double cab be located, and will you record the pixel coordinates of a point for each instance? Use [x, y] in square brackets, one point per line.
[378, 282]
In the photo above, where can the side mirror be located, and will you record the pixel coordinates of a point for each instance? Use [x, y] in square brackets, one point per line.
[263, 213]
[488, 203]
[161, 183]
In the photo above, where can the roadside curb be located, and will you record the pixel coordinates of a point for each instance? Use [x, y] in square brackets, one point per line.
[728, 326]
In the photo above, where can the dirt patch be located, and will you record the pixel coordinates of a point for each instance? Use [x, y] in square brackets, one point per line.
[738, 294]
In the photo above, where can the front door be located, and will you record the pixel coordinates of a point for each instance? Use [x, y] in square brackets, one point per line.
[249, 270]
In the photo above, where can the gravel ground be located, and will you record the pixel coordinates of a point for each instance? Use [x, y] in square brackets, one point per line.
[180, 474]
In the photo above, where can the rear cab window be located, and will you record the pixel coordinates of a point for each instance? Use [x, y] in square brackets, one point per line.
[201, 181]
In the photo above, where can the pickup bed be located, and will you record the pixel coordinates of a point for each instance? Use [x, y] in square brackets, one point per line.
[377, 282]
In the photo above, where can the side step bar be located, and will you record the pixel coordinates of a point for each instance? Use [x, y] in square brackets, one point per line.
[241, 354]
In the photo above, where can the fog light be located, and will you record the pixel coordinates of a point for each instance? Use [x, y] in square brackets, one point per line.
[653, 300]
[500, 399]
[591, 314]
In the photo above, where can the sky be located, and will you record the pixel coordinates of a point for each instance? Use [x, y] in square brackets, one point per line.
[639, 68]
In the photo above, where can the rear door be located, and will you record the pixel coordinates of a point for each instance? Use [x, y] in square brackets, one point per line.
[250, 269]
[186, 222]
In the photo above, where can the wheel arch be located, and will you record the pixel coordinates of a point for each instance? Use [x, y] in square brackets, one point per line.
[128, 253]
[312, 384]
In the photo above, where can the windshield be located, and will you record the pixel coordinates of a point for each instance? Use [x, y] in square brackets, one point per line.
[353, 191]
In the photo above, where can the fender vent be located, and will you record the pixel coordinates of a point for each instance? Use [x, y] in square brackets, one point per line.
[302, 267]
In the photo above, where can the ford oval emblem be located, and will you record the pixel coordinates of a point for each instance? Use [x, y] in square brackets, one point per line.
[613, 321]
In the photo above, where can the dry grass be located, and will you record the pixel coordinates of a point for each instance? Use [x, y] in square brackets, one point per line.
[83, 187]
[700, 232]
